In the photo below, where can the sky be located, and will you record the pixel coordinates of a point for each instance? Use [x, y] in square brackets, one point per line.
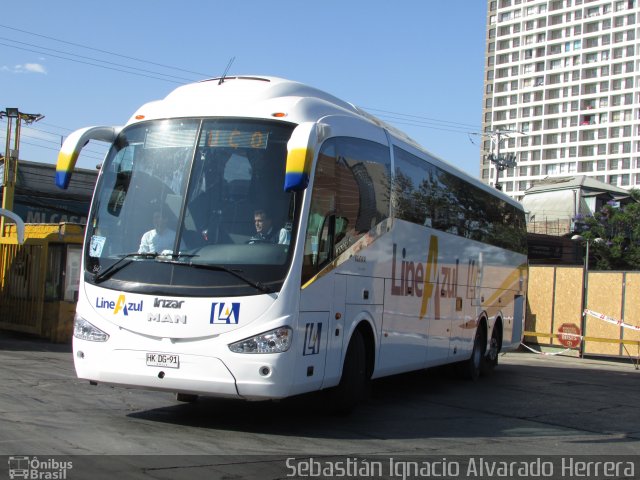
[416, 64]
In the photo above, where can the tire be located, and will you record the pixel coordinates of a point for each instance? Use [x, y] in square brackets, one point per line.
[490, 360]
[186, 397]
[354, 383]
[471, 368]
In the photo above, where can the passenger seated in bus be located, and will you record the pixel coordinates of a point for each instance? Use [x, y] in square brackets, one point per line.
[265, 232]
[160, 238]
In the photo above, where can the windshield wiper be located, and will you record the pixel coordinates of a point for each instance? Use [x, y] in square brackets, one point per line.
[129, 257]
[236, 273]
[120, 264]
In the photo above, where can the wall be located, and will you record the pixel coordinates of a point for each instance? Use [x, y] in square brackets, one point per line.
[555, 298]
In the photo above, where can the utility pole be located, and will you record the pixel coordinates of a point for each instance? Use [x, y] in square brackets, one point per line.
[501, 162]
[10, 162]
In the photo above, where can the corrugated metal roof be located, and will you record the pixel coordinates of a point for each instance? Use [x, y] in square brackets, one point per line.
[572, 182]
[38, 179]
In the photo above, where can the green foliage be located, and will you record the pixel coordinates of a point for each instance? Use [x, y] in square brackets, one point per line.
[614, 236]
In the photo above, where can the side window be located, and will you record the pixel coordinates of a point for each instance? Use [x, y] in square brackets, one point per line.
[422, 193]
[365, 184]
[351, 191]
[427, 195]
[411, 189]
[323, 204]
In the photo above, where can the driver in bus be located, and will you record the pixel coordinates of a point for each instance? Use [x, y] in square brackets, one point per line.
[265, 232]
[160, 238]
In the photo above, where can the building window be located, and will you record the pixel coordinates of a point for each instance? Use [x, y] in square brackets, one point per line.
[586, 166]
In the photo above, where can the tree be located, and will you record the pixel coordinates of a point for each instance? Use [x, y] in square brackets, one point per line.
[619, 229]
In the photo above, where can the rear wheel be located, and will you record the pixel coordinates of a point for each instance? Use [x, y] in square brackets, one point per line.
[471, 368]
[490, 360]
[354, 383]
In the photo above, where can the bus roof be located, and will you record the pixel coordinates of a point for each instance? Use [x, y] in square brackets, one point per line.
[246, 96]
[255, 96]
[272, 97]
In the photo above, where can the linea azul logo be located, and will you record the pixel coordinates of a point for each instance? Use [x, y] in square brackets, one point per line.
[33, 468]
[225, 313]
[120, 305]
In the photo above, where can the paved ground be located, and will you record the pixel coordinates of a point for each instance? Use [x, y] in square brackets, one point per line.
[532, 404]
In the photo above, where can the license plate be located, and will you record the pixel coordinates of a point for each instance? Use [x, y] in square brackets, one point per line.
[163, 360]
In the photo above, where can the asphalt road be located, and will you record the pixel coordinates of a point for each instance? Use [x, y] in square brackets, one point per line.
[531, 405]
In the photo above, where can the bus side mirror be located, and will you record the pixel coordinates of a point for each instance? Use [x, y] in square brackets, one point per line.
[300, 152]
[73, 145]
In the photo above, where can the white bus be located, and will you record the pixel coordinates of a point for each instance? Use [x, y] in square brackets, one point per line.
[381, 258]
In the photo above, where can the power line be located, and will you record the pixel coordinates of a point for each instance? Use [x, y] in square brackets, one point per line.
[431, 127]
[89, 63]
[398, 118]
[105, 51]
[57, 149]
[473, 126]
[94, 59]
[58, 144]
[56, 126]
[393, 117]
[422, 121]
[28, 128]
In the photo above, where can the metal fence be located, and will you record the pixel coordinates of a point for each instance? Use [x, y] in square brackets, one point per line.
[38, 278]
[22, 272]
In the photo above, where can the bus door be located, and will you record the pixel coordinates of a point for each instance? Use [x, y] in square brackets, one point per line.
[322, 314]
[350, 195]
[336, 332]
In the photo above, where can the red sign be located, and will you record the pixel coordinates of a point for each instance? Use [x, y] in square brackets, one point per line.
[569, 335]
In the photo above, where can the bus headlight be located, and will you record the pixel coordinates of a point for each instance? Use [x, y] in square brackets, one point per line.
[273, 341]
[86, 331]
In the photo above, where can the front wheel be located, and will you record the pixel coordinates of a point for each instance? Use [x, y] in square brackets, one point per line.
[354, 383]
[186, 397]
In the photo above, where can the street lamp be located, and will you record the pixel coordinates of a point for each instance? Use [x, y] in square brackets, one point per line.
[501, 161]
[585, 285]
[10, 162]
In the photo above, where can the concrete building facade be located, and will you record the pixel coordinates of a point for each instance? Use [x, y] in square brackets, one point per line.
[562, 91]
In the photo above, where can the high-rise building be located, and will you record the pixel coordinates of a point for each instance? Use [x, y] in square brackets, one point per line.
[562, 91]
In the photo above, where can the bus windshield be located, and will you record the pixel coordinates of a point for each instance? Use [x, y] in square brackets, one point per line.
[193, 206]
